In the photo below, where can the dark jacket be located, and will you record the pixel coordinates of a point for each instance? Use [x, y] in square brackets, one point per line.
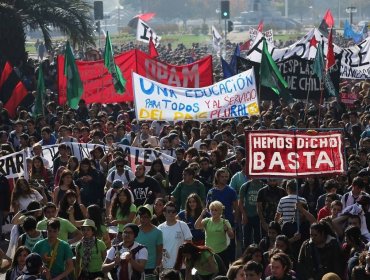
[314, 262]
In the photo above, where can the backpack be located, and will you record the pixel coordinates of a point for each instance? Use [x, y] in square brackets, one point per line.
[136, 275]
[44, 234]
[127, 175]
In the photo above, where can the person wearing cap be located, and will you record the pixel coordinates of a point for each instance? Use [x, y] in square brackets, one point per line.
[128, 258]
[111, 194]
[151, 237]
[90, 253]
[56, 253]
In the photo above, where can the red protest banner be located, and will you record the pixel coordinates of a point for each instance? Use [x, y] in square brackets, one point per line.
[291, 154]
[98, 86]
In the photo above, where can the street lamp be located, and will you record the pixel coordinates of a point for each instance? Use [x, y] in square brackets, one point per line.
[351, 11]
[218, 12]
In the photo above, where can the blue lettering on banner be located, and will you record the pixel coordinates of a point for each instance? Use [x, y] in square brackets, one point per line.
[150, 104]
[154, 88]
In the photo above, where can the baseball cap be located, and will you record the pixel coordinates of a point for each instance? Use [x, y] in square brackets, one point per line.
[117, 184]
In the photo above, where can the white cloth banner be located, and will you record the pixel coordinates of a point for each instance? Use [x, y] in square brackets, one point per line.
[231, 98]
[144, 32]
[355, 62]
[13, 165]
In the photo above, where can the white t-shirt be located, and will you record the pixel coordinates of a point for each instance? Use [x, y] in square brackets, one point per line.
[141, 255]
[123, 177]
[173, 237]
[24, 201]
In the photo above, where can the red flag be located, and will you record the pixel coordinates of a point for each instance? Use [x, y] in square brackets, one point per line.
[18, 94]
[5, 72]
[260, 26]
[245, 46]
[153, 53]
[330, 58]
[329, 18]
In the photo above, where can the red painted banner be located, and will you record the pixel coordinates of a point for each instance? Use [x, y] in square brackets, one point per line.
[97, 81]
[291, 154]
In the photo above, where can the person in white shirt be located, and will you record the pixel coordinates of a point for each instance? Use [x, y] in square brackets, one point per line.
[357, 189]
[175, 233]
[128, 257]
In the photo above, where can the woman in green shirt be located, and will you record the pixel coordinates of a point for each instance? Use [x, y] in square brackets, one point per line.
[123, 209]
[90, 253]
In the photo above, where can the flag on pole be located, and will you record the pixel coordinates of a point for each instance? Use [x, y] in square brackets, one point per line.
[270, 75]
[74, 84]
[318, 64]
[245, 46]
[39, 102]
[330, 58]
[233, 61]
[118, 81]
[326, 23]
[260, 26]
[153, 53]
[226, 69]
[216, 39]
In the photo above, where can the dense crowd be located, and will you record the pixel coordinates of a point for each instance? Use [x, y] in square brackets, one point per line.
[203, 218]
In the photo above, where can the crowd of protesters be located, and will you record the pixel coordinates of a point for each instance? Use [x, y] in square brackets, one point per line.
[203, 218]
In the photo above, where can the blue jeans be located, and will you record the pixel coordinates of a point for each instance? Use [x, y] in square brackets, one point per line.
[252, 231]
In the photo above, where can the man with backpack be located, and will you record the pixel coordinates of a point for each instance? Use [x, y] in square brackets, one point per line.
[127, 260]
[121, 172]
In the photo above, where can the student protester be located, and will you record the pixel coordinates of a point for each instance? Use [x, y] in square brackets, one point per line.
[175, 233]
[152, 238]
[56, 253]
[127, 258]
[90, 253]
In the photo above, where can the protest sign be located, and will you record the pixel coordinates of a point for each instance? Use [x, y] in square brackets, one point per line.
[98, 86]
[13, 165]
[292, 154]
[231, 98]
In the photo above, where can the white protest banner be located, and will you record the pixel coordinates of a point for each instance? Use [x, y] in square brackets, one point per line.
[13, 165]
[231, 98]
[292, 154]
[144, 32]
[253, 35]
[355, 62]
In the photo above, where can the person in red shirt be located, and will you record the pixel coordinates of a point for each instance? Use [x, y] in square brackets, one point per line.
[331, 208]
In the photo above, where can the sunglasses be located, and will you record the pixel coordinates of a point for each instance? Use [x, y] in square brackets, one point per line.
[170, 211]
[119, 165]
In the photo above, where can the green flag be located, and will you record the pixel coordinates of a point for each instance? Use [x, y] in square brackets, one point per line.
[74, 83]
[318, 64]
[270, 75]
[118, 80]
[39, 102]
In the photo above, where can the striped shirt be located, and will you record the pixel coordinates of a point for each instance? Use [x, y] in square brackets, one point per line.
[286, 206]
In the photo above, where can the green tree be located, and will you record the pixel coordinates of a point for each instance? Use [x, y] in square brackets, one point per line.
[72, 17]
